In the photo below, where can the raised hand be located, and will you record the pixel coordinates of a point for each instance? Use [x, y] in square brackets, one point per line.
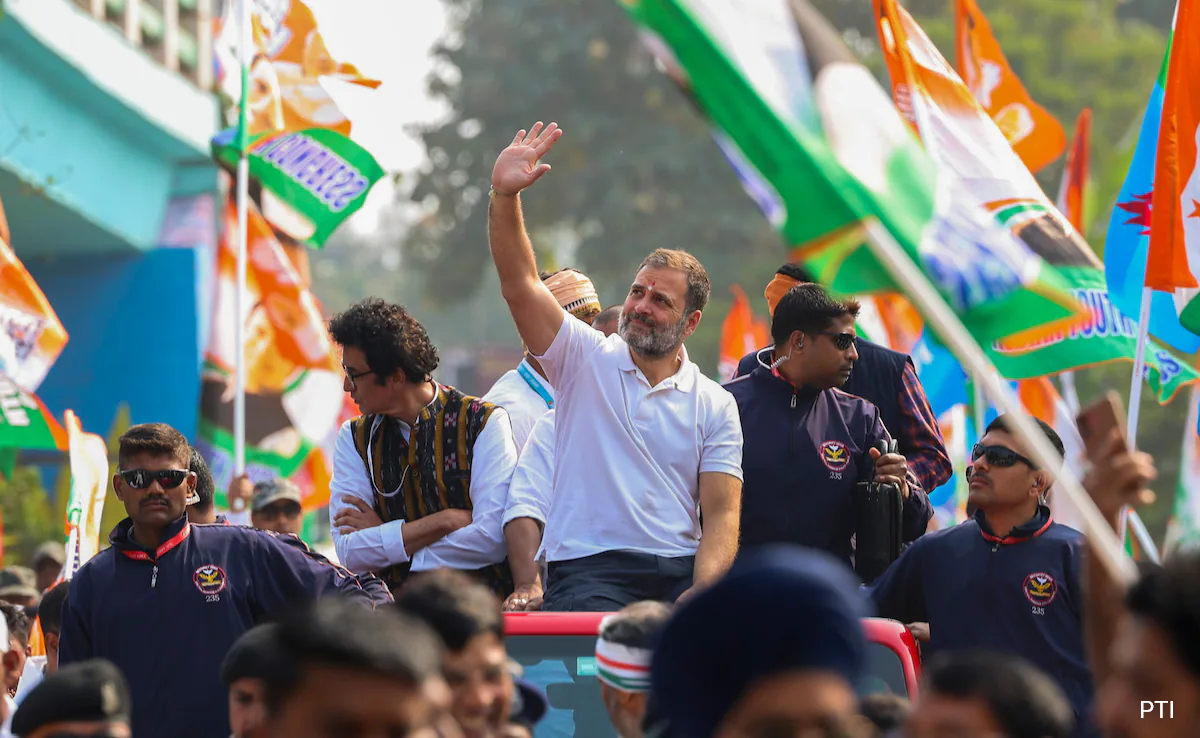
[519, 165]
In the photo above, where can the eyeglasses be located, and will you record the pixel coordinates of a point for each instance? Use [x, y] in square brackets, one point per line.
[351, 376]
[843, 341]
[999, 456]
[143, 478]
[281, 509]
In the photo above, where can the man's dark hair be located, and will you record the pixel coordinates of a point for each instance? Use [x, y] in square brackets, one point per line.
[1167, 597]
[18, 622]
[698, 286]
[343, 635]
[887, 711]
[389, 336]
[457, 607]
[1003, 423]
[50, 608]
[205, 486]
[155, 439]
[609, 314]
[796, 272]
[808, 307]
[1023, 701]
[636, 626]
[250, 655]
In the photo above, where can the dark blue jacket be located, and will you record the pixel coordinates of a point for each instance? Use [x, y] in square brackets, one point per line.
[878, 378]
[1020, 594]
[167, 618]
[803, 451]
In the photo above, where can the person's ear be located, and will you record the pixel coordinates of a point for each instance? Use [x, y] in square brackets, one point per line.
[119, 486]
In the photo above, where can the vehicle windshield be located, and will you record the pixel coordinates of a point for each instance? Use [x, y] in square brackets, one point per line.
[565, 666]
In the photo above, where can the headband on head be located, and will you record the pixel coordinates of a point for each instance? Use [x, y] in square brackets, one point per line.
[623, 667]
[575, 293]
[777, 288]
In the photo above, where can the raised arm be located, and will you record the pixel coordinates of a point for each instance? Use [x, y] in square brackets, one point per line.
[535, 311]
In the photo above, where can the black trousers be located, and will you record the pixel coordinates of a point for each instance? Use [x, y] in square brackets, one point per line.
[606, 582]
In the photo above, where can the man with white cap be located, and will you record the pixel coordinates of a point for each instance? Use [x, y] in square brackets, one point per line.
[525, 392]
[623, 655]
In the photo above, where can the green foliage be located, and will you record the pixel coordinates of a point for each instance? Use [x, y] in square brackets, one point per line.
[30, 517]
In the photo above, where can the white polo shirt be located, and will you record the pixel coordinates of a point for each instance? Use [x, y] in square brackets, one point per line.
[627, 455]
[530, 490]
[525, 396]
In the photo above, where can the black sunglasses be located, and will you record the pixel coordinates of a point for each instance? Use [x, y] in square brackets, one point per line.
[143, 478]
[352, 377]
[999, 456]
[843, 341]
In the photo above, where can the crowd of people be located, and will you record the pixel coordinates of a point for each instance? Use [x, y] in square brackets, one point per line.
[606, 473]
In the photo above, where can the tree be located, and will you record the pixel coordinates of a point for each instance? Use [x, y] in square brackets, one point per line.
[636, 169]
[30, 517]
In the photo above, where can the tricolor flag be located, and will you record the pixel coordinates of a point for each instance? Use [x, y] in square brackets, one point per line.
[1174, 255]
[1183, 530]
[1033, 133]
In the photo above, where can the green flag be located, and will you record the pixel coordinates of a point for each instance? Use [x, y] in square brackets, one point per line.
[311, 180]
[812, 129]
[25, 423]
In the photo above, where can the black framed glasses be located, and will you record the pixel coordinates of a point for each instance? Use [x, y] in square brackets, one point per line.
[843, 341]
[352, 376]
[999, 456]
[143, 478]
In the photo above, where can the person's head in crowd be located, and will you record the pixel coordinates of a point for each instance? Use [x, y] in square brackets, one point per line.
[18, 586]
[786, 277]
[623, 653]
[574, 291]
[988, 694]
[887, 712]
[814, 335]
[18, 625]
[88, 698]
[203, 511]
[50, 616]
[154, 481]
[48, 563]
[276, 506]
[387, 357]
[664, 304]
[529, 706]
[776, 646]
[244, 672]
[1004, 482]
[342, 671]
[1156, 656]
[606, 321]
[469, 620]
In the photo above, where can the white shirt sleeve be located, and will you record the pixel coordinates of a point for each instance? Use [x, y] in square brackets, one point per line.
[481, 543]
[572, 344]
[532, 482]
[367, 550]
[239, 518]
[722, 449]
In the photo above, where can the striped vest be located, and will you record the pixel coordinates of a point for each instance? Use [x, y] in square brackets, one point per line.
[428, 473]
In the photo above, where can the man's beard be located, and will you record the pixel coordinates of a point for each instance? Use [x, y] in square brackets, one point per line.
[657, 343]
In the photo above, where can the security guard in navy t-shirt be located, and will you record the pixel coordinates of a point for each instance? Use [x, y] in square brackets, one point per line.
[167, 600]
[1006, 581]
[807, 443]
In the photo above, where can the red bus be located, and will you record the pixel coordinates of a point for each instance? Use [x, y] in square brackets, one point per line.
[557, 652]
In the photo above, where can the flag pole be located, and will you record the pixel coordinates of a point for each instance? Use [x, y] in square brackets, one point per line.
[1131, 423]
[955, 336]
[243, 203]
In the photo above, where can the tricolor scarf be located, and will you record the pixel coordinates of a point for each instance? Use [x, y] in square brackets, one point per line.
[623, 667]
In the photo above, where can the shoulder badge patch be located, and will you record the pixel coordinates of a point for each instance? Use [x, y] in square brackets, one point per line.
[834, 455]
[1040, 588]
[210, 579]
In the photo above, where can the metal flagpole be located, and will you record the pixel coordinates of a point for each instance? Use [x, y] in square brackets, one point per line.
[243, 203]
[1135, 392]
[955, 336]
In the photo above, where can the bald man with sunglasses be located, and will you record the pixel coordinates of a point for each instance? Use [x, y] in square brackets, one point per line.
[169, 597]
[1008, 580]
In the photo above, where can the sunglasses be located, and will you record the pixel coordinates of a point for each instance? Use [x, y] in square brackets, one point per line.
[999, 456]
[843, 341]
[166, 478]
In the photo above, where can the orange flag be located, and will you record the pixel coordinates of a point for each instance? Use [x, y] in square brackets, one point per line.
[741, 333]
[1174, 258]
[1075, 175]
[1033, 133]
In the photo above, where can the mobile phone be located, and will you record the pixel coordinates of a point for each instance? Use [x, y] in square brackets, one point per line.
[1097, 421]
